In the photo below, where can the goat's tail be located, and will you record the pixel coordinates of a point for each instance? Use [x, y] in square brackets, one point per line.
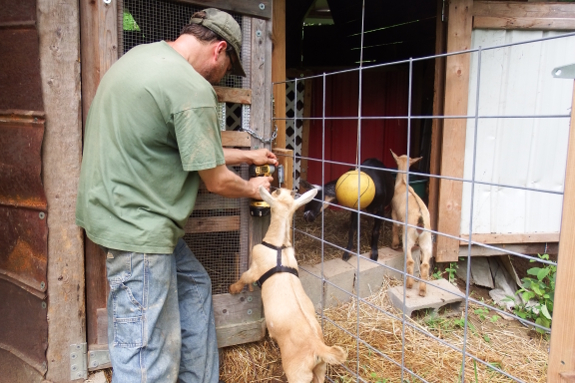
[331, 355]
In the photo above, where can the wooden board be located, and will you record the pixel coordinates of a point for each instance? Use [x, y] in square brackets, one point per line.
[562, 350]
[261, 8]
[59, 34]
[523, 9]
[511, 238]
[453, 145]
[279, 69]
[212, 224]
[235, 95]
[545, 24]
[233, 139]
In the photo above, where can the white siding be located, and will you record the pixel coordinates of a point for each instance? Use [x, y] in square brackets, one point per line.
[520, 152]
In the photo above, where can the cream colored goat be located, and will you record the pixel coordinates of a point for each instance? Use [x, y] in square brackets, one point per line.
[418, 215]
[290, 314]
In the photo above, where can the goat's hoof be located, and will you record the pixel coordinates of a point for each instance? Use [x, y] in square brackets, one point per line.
[422, 292]
[346, 256]
[235, 289]
[395, 247]
[374, 256]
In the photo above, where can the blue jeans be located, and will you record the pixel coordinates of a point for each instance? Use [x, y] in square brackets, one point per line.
[161, 324]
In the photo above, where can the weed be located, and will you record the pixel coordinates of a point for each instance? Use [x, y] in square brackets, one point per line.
[437, 274]
[539, 286]
[451, 270]
[483, 312]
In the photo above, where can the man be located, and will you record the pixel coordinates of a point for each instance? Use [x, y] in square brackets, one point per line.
[151, 135]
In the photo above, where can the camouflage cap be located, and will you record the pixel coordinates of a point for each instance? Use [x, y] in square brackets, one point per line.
[228, 29]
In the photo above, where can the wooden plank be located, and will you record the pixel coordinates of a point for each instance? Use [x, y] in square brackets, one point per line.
[285, 159]
[502, 249]
[214, 202]
[233, 139]
[261, 105]
[241, 333]
[492, 238]
[99, 48]
[237, 308]
[243, 7]
[453, 145]
[59, 36]
[212, 224]
[437, 123]
[523, 9]
[562, 349]
[235, 95]
[279, 69]
[545, 24]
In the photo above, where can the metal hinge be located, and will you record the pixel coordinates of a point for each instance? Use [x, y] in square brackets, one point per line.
[81, 360]
[78, 361]
[565, 71]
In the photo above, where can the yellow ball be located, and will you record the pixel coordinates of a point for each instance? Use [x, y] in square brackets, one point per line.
[346, 189]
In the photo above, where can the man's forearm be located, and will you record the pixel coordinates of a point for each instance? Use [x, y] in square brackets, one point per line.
[236, 156]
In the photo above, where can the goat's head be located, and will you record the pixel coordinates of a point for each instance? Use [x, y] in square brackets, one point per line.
[282, 202]
[404, 162]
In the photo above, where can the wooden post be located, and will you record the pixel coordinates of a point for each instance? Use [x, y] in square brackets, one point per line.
[453, 148]
[99, 30]
[59, 36]
[279, 69]
[562, 351]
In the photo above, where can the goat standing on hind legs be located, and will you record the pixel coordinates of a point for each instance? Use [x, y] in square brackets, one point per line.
[290, 314]
[404, 197]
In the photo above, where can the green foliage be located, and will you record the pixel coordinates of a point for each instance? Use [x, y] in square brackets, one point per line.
[451, 270]
[483, 313]
[539, 285]
[437, 274]
[129, 22]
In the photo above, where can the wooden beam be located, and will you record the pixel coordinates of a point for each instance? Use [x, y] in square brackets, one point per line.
[285, 159]
[261, 9]
[562, 350]
[59, 37]
[234, 139]
[212, 224]
[453, 145]
[546, 24]
[279, 69]
[99, 49]
[523, 9]
[502, 249]
[494, 239]
[437, 124]
[235, 95]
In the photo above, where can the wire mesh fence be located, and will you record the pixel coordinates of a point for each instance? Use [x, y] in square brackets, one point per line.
[512, 181]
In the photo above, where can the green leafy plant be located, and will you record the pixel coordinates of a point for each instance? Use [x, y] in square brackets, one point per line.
[538, 286]
[451, 270]
[483, 314]
[437, 274]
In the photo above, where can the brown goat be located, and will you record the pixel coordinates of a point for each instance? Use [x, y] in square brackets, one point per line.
[404, 197]
[290, 314]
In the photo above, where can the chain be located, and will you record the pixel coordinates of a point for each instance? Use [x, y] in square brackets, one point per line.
[261, 138]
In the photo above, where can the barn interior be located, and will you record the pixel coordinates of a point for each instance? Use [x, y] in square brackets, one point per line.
[325, 36]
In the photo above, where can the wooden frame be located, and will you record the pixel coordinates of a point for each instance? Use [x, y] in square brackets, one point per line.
[519, 15]
[59, 31]
[562, 351]
[99, 24]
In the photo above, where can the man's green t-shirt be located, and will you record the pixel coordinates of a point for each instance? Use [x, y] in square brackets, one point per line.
[151, 127]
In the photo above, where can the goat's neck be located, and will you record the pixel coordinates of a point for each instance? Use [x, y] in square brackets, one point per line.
[401, 178]
[279, 232]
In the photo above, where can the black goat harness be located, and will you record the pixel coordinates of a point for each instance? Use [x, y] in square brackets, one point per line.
[279, 268]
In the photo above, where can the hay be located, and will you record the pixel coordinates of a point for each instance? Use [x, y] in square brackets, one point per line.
[507, 345]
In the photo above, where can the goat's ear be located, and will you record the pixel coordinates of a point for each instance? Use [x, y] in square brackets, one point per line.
[414, 160]
[305, 185]
[393, 154]
[304, 198]
[266, 196]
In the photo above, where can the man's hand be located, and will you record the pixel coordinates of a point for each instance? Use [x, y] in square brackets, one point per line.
[256, 182]
[262, 157]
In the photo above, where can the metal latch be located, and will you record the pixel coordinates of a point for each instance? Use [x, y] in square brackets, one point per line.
[565, 71]
[81, 360]
[78, 361]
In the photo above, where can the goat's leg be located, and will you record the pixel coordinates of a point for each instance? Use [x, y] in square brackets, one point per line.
[351, 235]
[426, 252]
[319, 373]
[247, 278]
[410, 241]
[375, 235]
[394, 232]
